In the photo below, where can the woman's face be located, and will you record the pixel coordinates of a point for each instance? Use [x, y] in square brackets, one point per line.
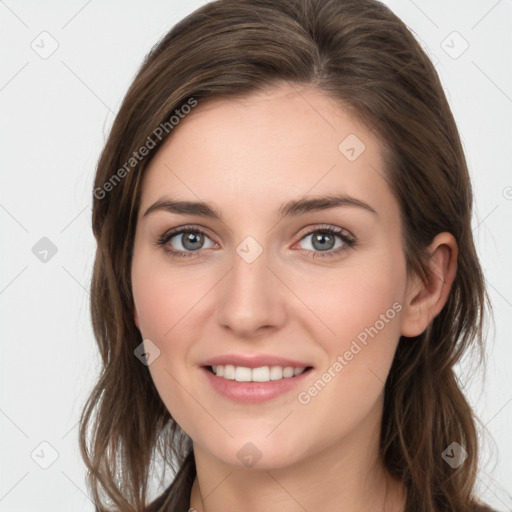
[256, 275]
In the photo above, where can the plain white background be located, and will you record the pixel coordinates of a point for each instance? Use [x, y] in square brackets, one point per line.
[56, 111]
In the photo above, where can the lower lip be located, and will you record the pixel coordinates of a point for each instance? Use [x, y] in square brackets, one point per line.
[253, 392]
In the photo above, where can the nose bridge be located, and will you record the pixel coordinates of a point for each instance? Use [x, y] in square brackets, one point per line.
[249, 300]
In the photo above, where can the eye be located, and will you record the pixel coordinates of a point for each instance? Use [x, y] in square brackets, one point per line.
[323, 241]
[189, 239]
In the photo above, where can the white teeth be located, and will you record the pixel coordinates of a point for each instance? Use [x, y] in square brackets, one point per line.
[276, 372]
[288, 372]
[229, 372]
[261, 374]
[243, 374]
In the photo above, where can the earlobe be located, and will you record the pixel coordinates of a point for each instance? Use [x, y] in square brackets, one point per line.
[425, 299]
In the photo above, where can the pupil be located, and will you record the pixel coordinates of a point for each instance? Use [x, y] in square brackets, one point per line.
[321, 239]
[193, 241]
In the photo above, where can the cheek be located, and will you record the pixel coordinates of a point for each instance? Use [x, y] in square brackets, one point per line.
[363, 317]
[355, 299]
[162, 296]
[164, 301]
[168, 302]
[154, 303]
[360, 308]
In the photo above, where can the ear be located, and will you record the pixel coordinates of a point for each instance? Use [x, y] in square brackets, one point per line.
[424, 300]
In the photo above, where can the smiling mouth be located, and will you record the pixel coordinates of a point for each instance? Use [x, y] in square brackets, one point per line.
[260, 374]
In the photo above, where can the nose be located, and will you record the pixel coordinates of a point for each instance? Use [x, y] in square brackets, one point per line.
[251, 300]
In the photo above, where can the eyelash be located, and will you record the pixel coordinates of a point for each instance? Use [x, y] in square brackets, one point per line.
[348, 241]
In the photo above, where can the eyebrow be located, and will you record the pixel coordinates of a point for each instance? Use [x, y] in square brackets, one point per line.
[289, 209]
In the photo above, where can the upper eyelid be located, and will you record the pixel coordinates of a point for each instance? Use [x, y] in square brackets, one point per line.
[183, 229]
[327, 227]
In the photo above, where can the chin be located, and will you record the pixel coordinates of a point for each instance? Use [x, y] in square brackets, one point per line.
[254, 452]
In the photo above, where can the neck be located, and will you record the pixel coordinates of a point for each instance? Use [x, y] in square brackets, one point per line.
[347, 475]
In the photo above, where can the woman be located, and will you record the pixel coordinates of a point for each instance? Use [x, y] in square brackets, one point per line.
[285, 274]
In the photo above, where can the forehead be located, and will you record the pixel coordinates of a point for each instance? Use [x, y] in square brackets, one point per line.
[269, 147]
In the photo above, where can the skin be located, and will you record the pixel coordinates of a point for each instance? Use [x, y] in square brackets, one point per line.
[246, 158]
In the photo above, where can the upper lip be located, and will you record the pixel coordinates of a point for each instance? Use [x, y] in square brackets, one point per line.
[256, 361]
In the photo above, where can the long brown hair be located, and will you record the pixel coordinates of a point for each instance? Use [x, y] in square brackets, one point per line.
[361, 55]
